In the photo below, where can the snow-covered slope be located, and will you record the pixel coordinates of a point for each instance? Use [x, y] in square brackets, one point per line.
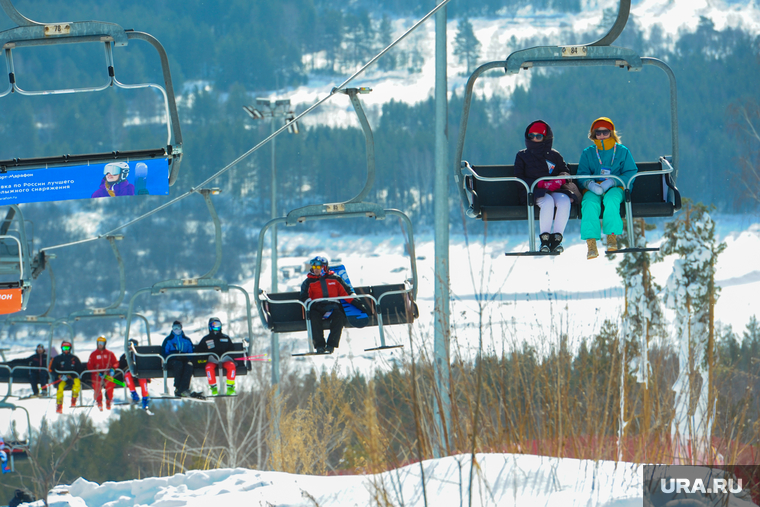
[672, 16]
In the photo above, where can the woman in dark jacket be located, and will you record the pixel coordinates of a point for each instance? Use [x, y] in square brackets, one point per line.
[539, 160]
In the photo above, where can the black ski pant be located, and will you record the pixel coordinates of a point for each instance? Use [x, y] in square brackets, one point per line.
[336, 320]
[38, 377]
[182, 369]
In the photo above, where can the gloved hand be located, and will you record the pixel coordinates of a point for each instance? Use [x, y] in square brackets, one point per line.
[596, 188]
[111, 372]
[64, 378]
[607, 184]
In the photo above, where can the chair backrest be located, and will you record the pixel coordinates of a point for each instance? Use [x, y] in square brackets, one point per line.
[500, 200]
[290, 318]
[151, 367]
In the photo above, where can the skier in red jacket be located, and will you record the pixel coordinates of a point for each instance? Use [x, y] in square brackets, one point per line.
[322, 283]
[104, 360]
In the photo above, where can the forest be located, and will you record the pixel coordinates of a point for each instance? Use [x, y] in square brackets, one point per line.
[222, 58]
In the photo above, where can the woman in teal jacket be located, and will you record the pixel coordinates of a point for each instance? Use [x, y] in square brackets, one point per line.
[607, 157]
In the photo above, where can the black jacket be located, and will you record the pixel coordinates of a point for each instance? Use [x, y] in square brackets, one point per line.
[218, 343]
[39, 360]
[532, 163]
[65, 363]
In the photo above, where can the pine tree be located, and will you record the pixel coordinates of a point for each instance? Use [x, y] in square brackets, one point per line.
[643, 311]
[466, 45]
[385, 37]
[692, 294]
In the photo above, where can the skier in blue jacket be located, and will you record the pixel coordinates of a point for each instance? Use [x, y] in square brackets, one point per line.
[181, 366]
[606, 157]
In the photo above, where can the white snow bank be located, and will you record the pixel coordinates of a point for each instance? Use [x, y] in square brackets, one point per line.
[500, 480]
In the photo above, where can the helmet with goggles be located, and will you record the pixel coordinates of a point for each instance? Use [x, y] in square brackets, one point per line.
[214, 324]
[101, 339]
[120, 169]
[66, 346]
[319, 261]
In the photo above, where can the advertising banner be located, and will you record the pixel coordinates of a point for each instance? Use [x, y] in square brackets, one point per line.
[112, 179]
[11, 300]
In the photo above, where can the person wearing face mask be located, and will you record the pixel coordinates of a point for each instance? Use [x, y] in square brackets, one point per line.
[114, 182]
[219, 344]
[180, 366]
[604, 158]
[129, 378]
[322, 283]
[39, 376]
[539, 160]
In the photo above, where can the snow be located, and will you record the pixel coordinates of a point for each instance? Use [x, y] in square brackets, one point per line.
[499, 480]
[674, 17]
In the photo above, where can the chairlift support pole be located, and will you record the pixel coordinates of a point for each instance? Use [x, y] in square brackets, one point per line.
[442, 331]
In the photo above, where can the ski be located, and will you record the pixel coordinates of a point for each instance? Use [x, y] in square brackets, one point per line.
[536, 254]
[630, 250]
[222, 396]
[309, 354]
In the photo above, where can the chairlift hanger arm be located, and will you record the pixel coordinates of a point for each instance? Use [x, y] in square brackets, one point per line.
[617, 28]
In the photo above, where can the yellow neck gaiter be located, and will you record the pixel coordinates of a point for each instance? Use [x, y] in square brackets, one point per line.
[108, 189]
[605, 144]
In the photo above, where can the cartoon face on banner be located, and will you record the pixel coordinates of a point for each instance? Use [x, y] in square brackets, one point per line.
[112, 179]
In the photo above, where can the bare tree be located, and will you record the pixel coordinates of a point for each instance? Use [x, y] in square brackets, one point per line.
[53, 443]
[745, 121]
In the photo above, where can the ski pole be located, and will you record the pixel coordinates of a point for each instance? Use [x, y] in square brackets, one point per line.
[117, 382]
[257, 357]
[50, 384]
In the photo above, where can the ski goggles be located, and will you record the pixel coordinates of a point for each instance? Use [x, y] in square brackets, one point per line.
[602, 132]
[66, 348]
[316, 266]
[176, 328]
[216, 326]
[537, 137]
[113, 170]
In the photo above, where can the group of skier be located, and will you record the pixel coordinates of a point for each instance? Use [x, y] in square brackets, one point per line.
[64, 370]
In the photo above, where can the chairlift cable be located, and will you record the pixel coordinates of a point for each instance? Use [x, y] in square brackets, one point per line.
[262, 143]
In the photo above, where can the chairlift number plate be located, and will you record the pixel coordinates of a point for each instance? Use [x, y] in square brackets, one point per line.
[58, 29]
[335, 208]
[573, 51]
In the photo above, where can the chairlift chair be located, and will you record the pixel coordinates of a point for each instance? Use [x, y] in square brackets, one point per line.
[393, 304]
[18, 447]
[30, 33]
[492, 192]
[148, 361]
[15, 262]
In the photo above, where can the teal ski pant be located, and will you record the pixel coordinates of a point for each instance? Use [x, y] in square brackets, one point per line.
[591, 209]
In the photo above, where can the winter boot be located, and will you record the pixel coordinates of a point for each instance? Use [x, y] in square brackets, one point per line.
[100, 406]
[108, 404]
[135, 398]
[611, 243]
[545, 242]
[556, 243]
[593, 253]
[145, 402]
[230, 388]
[214, 390]
[73, 402]
[59, 408]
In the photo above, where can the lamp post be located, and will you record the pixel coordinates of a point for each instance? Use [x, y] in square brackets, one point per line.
[266, 108]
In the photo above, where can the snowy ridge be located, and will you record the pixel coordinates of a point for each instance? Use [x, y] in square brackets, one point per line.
[673, 17]
[499, 480]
